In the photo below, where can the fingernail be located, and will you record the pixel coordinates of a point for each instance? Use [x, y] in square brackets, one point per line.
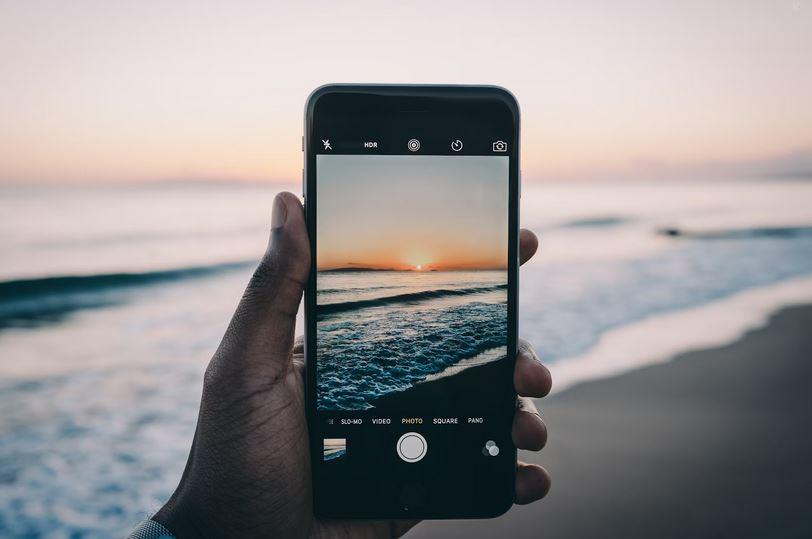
[280, 212]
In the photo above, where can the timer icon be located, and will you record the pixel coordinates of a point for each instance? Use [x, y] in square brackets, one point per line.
[456, 145]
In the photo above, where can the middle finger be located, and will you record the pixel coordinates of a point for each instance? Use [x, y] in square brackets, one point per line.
[529, 431]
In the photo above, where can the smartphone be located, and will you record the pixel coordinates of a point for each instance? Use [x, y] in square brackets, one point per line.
[412, 204]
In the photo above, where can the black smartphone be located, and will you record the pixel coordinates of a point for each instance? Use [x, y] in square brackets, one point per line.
[412, 204]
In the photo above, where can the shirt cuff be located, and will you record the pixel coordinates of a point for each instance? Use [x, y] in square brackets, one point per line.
[149, 529]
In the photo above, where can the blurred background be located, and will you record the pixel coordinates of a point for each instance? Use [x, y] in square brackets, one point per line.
[666, 156]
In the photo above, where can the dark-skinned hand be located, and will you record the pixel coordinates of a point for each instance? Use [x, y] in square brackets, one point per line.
[248, 472]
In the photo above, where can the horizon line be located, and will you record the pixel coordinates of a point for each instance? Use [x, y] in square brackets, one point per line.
[686, 177]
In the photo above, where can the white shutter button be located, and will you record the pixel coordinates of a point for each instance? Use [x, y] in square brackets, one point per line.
[411, 447]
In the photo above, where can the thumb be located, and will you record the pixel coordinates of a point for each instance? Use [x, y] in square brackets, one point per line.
[260, 336]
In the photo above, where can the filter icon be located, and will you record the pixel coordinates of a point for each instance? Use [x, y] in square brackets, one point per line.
[490, 449]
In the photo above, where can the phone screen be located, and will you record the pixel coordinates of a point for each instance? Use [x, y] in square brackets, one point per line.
[410, 324]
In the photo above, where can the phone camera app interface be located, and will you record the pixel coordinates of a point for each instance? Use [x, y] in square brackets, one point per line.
[411, 315]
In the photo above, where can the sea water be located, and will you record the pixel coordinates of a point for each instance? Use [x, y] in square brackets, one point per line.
[384, 331]
[112, 300]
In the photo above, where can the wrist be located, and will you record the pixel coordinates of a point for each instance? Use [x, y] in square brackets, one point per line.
[175, 518]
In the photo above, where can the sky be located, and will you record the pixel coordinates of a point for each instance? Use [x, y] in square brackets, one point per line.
[99, 91]
[414, 217]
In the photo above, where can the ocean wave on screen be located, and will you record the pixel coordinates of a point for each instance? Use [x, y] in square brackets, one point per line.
[362, 357]
[332, 308]
[36, 301]
[335, 454]
[324, 292]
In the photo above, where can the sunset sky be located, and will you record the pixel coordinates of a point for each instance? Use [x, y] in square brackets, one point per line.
[420, 212]
[96, 91]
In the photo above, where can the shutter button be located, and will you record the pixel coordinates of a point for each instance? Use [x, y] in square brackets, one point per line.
[411, 447]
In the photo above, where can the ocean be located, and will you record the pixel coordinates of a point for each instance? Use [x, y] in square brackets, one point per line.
[113, 298]
[385, 331]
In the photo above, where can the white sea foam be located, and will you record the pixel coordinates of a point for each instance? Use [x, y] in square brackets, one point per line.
[487, 356]
[657, 339]
[103, 398]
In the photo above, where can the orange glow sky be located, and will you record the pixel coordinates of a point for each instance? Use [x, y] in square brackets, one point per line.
[414, 217]
[124, 91]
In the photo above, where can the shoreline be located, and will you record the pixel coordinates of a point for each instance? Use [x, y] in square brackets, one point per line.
[713, 443]
[659, 338]
[653, 340]
[426, 396]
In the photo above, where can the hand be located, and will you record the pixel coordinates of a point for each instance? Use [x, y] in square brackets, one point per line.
[248, 472]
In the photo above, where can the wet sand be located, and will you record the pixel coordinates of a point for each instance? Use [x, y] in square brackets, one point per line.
[716, 443]
[448, 390]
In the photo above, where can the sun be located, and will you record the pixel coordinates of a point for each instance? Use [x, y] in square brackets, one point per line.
[417, 260]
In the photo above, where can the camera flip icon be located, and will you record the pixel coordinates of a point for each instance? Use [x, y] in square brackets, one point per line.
[500, 146]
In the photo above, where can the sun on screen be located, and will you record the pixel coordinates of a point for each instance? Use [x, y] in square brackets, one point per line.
[417, 260]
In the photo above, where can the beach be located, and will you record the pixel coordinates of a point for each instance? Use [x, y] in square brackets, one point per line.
[388, 331]
[715, 443]
[449, 389]
[107, 323]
